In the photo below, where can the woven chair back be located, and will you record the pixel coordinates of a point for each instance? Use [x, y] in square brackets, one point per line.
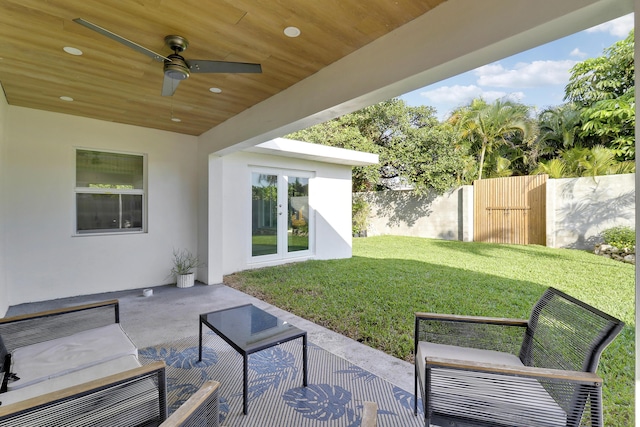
[565, 333]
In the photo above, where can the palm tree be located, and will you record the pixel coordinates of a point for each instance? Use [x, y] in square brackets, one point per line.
[578, 161]
[491, 125]
[555, 168]
[559, 129]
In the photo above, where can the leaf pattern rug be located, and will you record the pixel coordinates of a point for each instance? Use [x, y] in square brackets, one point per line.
[276, 397]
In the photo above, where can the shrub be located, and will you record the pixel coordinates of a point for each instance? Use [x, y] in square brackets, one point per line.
[360, 214]
[621, 237]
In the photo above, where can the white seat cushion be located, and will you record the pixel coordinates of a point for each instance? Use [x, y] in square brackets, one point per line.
[466, 354]
[489, 397]
[50, 359]
[71, 379]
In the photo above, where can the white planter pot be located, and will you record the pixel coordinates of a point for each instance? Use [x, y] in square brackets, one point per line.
[185, 280]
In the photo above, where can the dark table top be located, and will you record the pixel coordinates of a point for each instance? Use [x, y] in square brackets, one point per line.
[249, 328]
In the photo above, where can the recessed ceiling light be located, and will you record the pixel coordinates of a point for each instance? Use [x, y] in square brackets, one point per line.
[66, 98]
[292, 31]
[175, 119]
[72, 50]
[215, 90]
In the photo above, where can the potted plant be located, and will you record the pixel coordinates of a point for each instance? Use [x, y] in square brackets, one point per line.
[184, 262]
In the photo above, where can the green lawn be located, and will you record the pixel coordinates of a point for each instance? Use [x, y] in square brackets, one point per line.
[372, 296]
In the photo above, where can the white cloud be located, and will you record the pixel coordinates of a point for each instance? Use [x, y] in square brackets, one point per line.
[618, 27]
[578, 53]
[460, 95]
[525, 74]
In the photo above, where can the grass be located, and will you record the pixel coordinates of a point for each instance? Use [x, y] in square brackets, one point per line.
[372, 296]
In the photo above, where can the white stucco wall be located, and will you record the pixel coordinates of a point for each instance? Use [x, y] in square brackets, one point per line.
[401, 213]
[4, 290]
[230, 224]
[43, 259]
[579, 209]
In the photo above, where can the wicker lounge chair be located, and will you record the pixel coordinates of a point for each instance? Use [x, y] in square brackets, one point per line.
[479, 371]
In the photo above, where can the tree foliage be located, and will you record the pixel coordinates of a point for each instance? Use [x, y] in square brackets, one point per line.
[414, 149]
[612, 122]
[606, 77]
[497, 129]
[582, 162]
[604, 89]
[592, 134]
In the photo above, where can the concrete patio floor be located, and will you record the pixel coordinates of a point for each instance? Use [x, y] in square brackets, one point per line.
[172, 313]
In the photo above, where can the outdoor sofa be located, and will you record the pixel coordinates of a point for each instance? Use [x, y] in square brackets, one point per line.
[484, 371]
[76, 367]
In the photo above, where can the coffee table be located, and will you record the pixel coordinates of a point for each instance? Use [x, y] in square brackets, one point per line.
[249, 329]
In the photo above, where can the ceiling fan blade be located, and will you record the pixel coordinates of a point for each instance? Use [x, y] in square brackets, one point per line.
[203, 66]
[169, 86]
[126, 42]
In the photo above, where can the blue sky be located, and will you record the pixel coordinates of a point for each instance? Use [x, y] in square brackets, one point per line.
[536, 77]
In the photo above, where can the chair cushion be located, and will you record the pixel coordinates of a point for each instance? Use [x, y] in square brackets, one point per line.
[71, 379]
[466, 354]
[491, 398]
[50, 359]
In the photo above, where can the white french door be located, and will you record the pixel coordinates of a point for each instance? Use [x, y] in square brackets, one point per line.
[281, 221]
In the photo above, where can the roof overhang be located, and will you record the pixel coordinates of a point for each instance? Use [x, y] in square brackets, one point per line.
[314, 152]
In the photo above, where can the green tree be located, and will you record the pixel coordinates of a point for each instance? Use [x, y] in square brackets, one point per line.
[612, 122]
[581, 162]
[488, 127]
[606, 77]
[414, 148]
[604, 88]
[560, 128]
[343, 133]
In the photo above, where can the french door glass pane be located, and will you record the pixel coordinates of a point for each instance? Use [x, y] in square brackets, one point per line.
[298, 218]
[264, 214]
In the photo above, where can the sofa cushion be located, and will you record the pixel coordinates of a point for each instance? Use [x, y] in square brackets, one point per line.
[71, 379]
[50, 359]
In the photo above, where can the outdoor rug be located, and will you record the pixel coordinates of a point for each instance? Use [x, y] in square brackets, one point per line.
[276, 397]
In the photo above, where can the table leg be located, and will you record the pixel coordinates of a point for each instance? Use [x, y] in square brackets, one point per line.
[244, 384]
[200, 343]
[304, 359]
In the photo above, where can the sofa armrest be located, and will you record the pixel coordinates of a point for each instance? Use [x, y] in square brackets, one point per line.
[27, 329]
[200, 409]
[138, 394]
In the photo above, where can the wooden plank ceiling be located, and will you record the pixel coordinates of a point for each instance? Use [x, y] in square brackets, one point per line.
[112, 82]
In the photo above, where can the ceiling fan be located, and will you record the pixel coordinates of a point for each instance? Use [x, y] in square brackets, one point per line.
[176, 68]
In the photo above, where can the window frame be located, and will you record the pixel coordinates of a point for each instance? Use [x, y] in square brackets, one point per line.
[110, 191]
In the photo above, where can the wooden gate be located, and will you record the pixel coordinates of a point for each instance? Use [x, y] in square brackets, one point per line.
[510, 210]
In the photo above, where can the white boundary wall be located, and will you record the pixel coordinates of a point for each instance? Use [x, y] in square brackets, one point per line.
[578, 209]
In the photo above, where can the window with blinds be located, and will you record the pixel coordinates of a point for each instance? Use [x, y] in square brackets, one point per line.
[109, 192]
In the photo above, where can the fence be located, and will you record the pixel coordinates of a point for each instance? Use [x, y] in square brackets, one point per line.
[577, 210]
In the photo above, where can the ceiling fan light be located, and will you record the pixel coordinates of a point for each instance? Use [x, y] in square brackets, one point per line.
[177, 69]
[215, 90]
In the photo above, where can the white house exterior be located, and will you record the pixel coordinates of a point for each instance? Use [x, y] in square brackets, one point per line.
[187, 184]
[46, 259]
[328, 171]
